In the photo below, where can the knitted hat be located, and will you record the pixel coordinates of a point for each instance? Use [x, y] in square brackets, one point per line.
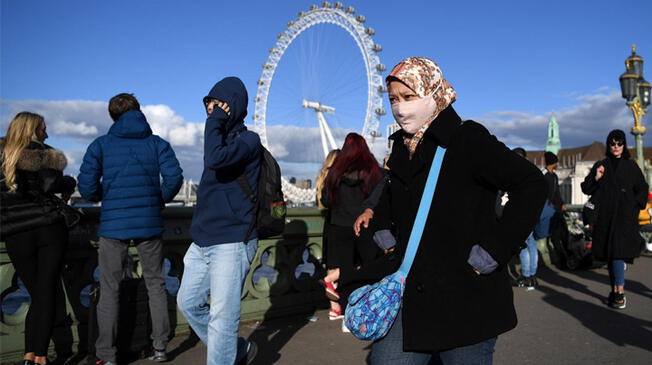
[550, 158]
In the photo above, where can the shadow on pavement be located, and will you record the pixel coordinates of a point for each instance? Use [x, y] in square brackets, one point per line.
[297, 277]
[191, 341]
[613, 325]
[630, 285]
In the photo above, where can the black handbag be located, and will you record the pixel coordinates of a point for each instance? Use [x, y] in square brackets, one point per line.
[23, 212]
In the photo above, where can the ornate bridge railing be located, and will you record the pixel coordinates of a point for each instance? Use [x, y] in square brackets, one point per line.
[282, 279]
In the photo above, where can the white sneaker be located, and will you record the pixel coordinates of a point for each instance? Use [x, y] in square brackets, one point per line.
[344, 329]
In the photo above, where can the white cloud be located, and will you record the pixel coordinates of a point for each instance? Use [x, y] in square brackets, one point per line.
[580, 125]
[65, 128]
[84, 120]
[297, 148]
[172, 127]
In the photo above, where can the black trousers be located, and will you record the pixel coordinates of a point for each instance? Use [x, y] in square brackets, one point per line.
[37, 257]
[347, 249]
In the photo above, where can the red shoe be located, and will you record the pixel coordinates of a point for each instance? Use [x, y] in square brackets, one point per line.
[335, 315]
[331, 293]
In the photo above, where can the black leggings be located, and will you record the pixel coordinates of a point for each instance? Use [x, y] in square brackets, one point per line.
[37, 256]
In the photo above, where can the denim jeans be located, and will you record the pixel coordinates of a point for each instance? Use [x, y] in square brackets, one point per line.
[389, 351]
[529, 257]
[219, 270]
[616, 272]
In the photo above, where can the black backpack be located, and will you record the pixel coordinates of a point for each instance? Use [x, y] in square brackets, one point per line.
[269, 205]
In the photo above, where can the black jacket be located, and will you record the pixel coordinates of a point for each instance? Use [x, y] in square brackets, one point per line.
[39, 175]
[554, 195]
[446, 304]
[349, 203]
[618, 197]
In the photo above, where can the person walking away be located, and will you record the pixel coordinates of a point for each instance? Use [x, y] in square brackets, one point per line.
[35, 236]
[335, 311]
[352, 179]
[458, 297]
[218, 260]
[557, 231]
[133, 173]
[529, 255]
[617, 186]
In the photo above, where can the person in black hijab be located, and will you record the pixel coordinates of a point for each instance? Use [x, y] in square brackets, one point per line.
[619, 190]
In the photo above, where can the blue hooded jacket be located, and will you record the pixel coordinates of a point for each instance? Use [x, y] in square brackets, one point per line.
[123, 170]
[224, 212]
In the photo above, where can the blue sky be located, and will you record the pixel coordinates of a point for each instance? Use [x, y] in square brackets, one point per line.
[513, 63]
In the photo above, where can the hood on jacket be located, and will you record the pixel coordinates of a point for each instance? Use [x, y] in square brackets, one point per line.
[232, 91]
[131, 124]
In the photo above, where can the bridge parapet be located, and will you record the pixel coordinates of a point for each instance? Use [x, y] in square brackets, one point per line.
[282, 279]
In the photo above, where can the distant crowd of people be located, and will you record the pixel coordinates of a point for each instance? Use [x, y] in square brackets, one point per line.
[487, 208]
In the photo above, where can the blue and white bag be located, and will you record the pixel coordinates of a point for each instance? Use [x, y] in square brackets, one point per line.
[373, 308]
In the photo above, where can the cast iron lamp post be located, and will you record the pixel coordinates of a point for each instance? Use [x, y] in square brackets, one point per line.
[636, 90]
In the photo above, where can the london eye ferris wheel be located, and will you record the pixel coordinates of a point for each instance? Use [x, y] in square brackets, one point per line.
[322, 79]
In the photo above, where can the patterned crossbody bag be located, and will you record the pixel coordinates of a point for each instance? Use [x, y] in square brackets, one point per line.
[373, 308]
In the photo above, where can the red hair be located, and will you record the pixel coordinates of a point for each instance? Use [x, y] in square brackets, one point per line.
[354, 156]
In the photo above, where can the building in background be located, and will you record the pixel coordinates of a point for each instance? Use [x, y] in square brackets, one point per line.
[553, 144]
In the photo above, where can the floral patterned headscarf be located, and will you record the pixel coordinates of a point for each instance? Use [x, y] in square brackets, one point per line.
[424, 77]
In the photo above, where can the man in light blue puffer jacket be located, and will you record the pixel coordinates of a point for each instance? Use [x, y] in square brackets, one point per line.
[123, 170]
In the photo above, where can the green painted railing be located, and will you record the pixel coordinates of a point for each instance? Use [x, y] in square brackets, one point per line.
[282, 279]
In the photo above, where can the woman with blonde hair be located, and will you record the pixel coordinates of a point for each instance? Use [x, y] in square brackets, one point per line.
[34, 222]
[323, 172]
[336, 310]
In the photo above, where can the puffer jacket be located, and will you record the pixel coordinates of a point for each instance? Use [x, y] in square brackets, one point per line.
[123, 170]
[39, 175]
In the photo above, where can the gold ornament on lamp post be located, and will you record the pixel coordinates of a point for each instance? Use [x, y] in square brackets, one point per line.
[636, 90]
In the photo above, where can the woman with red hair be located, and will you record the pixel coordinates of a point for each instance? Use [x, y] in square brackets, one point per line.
[350, 181]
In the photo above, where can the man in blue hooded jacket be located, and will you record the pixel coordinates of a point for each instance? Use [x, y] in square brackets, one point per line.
[217, 262]
[123, 170]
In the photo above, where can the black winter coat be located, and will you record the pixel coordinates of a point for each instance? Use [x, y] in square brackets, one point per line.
[446, 304]
[618, 196]
[39, 175]
[349, 203]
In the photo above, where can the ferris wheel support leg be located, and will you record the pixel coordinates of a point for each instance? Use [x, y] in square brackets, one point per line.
[322, 133]
[327, 129]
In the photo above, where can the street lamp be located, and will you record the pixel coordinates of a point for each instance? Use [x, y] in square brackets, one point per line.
[636, 90]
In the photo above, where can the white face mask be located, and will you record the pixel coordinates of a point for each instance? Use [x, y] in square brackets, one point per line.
[411, 115]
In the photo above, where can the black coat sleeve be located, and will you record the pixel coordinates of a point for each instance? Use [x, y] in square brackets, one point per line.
[501, 168]
[53, 181]
[589, 185]
[373, 198]
[640, 188]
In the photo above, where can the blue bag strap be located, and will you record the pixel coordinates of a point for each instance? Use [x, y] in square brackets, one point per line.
[422, 213]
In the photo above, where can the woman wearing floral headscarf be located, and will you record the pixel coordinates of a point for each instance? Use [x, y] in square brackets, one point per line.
[457, 297]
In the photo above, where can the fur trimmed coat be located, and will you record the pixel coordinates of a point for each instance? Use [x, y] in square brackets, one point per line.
[39, 175]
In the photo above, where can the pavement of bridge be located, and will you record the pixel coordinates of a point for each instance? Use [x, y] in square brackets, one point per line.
[563, 322]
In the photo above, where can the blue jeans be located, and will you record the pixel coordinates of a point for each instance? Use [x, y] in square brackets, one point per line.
[220, 270]
[529, 257]
[389, 351]
[616, 272]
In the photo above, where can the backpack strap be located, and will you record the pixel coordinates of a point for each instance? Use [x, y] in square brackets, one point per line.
[244, 185]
